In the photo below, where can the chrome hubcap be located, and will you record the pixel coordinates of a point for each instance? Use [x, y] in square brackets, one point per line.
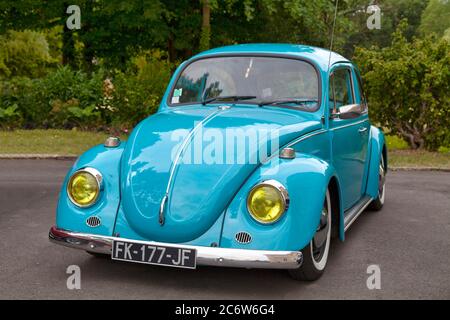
[320, 238]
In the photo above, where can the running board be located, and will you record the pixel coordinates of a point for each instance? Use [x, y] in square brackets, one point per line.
[355, 211]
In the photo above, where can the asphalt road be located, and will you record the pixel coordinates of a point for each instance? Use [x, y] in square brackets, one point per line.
[409, 240]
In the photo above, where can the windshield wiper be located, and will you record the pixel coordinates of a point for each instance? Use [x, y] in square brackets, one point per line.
[286, 101]
[233, 98]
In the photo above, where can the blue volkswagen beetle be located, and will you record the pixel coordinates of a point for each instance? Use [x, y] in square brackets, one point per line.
[258, 155]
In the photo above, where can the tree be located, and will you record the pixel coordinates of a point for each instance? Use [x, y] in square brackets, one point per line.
[292, 21]
[392, 12]
[436, 17]
[447, 35]
[113, 29]
[38, 15]
[24, 53]
[408, 86]
[181, 28]
[205, 37]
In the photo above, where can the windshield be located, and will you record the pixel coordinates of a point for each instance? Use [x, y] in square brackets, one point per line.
[256, 80]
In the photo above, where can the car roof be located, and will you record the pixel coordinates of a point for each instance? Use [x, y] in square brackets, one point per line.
[318, 55]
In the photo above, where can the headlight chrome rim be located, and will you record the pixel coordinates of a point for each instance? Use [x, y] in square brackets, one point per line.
[99, 180]
[284, 197]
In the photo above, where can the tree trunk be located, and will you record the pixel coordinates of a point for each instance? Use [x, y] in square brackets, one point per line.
[68, 43]
[88, 52]
[205, 36]
[171, 49]
[413, 136]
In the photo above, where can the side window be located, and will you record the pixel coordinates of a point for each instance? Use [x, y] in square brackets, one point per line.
[361, 93]
[341, 92]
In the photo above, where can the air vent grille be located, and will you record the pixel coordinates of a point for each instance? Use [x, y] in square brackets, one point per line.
[243, 237]
[93, 221]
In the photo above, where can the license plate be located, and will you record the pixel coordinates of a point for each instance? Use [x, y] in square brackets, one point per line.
[153, 254]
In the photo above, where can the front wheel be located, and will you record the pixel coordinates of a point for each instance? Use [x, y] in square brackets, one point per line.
[315, 254]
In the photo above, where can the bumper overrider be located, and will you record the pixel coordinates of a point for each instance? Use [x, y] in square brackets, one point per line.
[206, 256]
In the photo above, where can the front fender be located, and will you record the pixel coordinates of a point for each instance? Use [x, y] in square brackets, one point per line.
[73, 218]
[377, 145]
[306, 179]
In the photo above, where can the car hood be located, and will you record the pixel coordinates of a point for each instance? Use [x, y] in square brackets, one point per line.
[199, 157]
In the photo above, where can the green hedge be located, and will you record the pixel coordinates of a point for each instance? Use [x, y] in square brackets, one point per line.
[65, 98]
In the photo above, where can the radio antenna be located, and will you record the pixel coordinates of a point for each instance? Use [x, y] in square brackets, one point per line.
[332, 36]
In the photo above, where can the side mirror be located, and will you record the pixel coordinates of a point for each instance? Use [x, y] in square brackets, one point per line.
[351, 111]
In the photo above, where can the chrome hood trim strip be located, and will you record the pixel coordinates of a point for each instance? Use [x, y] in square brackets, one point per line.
[175, 163]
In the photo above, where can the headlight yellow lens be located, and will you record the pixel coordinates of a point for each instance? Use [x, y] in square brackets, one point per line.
[83, 189]
[266, 203]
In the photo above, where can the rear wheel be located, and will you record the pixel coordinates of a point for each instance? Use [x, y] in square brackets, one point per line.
[378, 203]
[315, 254]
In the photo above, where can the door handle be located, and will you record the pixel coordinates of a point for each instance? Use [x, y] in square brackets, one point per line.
[362, 130]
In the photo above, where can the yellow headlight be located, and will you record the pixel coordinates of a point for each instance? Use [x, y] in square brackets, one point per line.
[83, 188]
[267, 201]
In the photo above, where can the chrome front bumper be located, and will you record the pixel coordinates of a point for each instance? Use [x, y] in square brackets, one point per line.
[206, 256]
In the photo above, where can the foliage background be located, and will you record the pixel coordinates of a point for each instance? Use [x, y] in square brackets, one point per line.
[112, 72]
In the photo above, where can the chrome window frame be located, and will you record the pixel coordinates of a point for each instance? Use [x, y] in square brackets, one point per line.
[349, 69]
[250, 54]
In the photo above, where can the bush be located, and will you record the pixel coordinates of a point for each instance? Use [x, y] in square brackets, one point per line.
[71, 98]
[138, 92]
[24, 53]
[9, 117]
[66, 98]
[408, 88]
[20, 92]
[57, 100]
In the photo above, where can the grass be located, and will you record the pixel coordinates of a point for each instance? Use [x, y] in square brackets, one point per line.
[401, 156]
[60, 142]
[396, 143]
[419, 159]
[74, 142]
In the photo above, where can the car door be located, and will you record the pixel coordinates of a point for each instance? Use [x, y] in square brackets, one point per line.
[349, 134]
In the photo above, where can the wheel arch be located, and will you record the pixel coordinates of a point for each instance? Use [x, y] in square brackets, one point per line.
[378, 149]
[107, 162]
[337, 212]
[306, 178]
[385, 156]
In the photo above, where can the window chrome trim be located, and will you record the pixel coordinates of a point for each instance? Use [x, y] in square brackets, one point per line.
[350, 70]
[304, 137]
[98, 178]
[248, 54]
[349, 124]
